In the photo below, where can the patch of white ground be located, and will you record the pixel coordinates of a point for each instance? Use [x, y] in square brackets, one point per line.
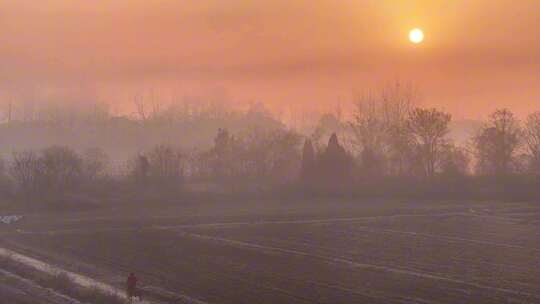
[24, 290]
[85, 281]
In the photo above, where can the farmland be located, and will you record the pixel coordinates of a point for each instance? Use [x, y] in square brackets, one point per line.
[319, 252]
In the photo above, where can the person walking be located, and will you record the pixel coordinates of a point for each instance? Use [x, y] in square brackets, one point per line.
[131, 290]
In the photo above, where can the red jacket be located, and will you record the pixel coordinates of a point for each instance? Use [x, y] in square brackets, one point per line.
[131, 282]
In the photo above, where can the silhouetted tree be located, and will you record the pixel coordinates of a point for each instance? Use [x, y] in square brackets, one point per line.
[269, 156]
[497, 143]
[61, 167]
[334, 150]
[140, 107]
[401, 157]
[372, 164]
[328, 124]
[284, 155]
[428, 128]
[222, 153]
[335, 164]
[25, 170]
[454, 161]
[397, 102]
[380, 128]
[222, 141]
[370, 133]
[308, 159]
[95, 164]
[165, 167]
[141, 170]
[532, 141]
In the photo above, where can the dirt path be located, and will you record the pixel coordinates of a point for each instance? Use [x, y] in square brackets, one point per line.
[17, 289]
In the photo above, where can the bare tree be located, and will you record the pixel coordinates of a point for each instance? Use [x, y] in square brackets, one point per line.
[284, 155]
[138, 169]
[380, 126]
[95, 164]
[62, 168]
[368, 124]
[99, 112]
[140, 107]
[398, 99]
[532, 141]
[25, 170]
[370, 132]
[268, 155]
[8, 113]
[497, 143]
[156, 105]
[222, 153]
[429, 128]
[165, 165]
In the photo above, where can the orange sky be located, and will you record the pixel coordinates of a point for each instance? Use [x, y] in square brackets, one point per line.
[478, 54]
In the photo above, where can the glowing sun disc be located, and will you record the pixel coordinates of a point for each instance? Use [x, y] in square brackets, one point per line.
[416, 35]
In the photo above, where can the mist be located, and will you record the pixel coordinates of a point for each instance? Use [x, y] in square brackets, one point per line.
[270, 151]
[304, 54]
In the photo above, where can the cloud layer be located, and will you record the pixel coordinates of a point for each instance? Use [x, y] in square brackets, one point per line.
[276, 51]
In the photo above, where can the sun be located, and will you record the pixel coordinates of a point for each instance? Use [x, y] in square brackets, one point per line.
[416, 35]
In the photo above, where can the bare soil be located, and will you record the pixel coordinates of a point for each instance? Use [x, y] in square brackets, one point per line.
[301, 252]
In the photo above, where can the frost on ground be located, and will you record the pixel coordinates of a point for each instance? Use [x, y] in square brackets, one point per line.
[83, 281]
[359, 254]
[78, 279]
[9, 219]
[14, 287]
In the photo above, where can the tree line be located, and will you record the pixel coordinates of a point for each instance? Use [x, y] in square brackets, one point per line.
[389, 146]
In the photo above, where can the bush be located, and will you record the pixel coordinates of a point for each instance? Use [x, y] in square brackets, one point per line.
[61, 169]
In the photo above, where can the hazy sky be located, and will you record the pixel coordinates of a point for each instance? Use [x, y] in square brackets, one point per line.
[478, 54]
